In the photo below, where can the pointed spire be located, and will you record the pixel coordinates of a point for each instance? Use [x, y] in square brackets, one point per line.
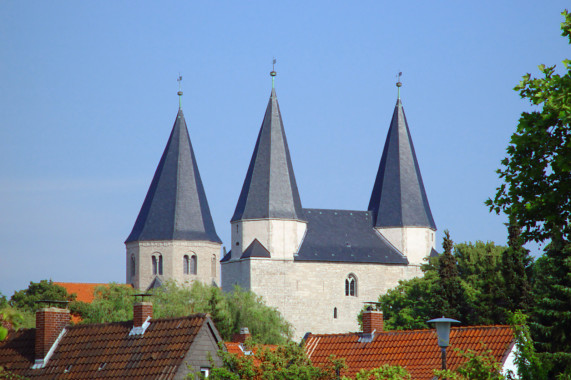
[270, 190]
[399, 198]
[175, 207]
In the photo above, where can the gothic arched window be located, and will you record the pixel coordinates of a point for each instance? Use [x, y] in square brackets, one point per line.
[133, 267]
[193, 264]
[351, 285]
[335, 313]
[213, 266]
[186, 265]
[160, 264]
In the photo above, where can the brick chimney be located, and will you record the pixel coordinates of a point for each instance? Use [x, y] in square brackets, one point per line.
[141, 310]
[50, 322]
[241, 338]
[372, 320]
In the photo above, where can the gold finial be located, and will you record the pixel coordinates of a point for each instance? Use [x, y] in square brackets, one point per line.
[273, 72]
[179, 93]
[399, 84]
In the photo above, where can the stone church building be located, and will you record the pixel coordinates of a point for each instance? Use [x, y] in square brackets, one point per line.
[316, 266]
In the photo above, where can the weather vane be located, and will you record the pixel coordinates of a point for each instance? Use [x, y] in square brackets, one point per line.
[179, 80]
[273, 72]
[399, 84]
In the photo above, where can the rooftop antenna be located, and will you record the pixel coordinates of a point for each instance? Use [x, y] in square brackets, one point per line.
[179, 93]
[399, 84]
[273, 72]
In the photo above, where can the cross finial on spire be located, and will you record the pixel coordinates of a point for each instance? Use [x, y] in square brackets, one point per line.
[273, 72]
[399, 84]
[179, 80]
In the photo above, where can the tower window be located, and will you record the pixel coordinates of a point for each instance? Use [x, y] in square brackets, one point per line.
[186, 264]
[351, 285]
[133, 266]
[335, 313]
[155, 264]
[193, 264]
[213, 266]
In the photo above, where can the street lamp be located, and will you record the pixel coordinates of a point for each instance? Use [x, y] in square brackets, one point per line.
[443, 332]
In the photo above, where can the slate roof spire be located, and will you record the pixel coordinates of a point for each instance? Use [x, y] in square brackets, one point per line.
[270, 190]
[399, 198]
[175, 207]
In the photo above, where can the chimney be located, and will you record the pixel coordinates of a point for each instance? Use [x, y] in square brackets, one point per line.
[241, 338]
[372, 320]
[50, 322]
[141, 310]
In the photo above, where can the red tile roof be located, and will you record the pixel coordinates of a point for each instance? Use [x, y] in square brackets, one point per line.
[415, 350]
[83, 290]
[107, 350]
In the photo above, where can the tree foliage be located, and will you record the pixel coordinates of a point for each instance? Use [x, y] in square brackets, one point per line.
[229, 311]
[536, 193]
[45, 290]
[452, 285]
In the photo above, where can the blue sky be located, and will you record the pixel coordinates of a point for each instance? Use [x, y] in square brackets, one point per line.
[88, 94]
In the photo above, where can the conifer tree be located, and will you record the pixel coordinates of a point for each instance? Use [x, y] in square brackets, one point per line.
[551, 326]
[450, 295]
[515, 269]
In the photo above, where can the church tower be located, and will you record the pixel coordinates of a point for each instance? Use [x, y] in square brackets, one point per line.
[399, 205]
[174, 236]
[268, 220]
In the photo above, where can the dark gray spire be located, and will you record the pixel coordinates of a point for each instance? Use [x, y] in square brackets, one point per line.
[399, 198]
[175, 207]
[270, 190]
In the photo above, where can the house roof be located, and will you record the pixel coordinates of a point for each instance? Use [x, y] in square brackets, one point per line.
[345, 236]
[107, 350]
[175, 207]
[84, 291]
[398, 198]
[270, 189]
[415, 350]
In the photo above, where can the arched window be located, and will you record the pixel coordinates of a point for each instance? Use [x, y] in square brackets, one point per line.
[186, 265]
[213, 266]
[160, 264]
[133, 267]
[155, 264]
[351, 285]
[335, 313]
[193, 264]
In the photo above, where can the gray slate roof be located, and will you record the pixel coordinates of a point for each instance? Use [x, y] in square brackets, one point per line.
[270, 190]
[256, 249]
[175, 207]
[345, 236]
[399, 198]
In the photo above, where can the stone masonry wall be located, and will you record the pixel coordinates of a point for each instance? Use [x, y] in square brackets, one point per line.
[173, 253]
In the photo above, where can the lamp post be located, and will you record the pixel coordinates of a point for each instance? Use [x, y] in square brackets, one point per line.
[443, 331]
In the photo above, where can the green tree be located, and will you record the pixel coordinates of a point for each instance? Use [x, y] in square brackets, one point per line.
[515, 269]
[551, 316]
[28, 299]
[536, 193]
[229, 311]
[384, 372]
[449, 293]
[288, 361]
[482, 294]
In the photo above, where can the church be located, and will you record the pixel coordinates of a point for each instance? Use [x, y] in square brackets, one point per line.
[316, 266]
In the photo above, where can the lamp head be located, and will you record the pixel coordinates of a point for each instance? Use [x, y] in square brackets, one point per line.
[443, 330]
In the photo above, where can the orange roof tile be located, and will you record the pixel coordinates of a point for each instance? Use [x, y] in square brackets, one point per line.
[83, 290]
[415, 350]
